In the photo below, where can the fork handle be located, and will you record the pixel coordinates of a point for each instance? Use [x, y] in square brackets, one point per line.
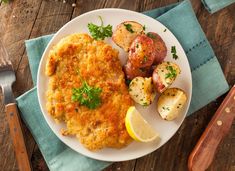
[17, 137]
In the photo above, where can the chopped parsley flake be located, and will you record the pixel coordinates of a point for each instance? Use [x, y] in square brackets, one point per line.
[172, 72]
[165, 108]
[144, 27]
[150, 35]
[164, 30]
[145, 59]
[129, 28]
[173, 51]
[145, 104]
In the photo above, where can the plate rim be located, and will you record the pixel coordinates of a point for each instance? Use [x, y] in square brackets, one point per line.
[38, 78]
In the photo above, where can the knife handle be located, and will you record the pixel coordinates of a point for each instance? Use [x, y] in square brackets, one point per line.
[17, 137]
[204, 151]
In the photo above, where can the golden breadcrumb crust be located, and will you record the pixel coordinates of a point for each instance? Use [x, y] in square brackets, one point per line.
[78, 57]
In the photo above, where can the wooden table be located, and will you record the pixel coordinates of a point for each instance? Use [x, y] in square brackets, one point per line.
[24, 19]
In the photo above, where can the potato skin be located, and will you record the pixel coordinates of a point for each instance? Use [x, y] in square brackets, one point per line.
[160, 79]
[159, 46]
[132, 72]
[123, 38]
[141, 52]
[170, 103]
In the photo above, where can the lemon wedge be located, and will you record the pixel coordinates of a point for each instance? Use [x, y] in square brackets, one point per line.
[138, 128]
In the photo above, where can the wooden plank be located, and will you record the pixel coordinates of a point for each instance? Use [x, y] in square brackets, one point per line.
[173, 155]
[18, 19]
[51, 17]
[220, 31]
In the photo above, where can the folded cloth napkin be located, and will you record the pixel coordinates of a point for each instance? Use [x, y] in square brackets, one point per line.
[215, 5]
[208, 84]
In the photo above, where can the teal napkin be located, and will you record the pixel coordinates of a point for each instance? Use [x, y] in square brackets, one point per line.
[215, 5]
[208, 84]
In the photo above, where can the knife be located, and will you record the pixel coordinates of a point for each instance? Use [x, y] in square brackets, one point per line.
[205, 149]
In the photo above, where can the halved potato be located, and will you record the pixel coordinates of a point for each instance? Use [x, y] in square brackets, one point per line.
[160, 48]
[126, 32]
[142, 52]
[170, 103]
[141, 90]
[164, 75]
[132, 72]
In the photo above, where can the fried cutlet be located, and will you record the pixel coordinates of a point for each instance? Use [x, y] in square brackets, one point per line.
[78, 58]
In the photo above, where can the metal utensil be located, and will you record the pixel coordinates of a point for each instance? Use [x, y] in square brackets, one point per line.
[7, 78]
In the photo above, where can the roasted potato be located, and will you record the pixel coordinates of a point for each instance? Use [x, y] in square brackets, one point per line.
[164, 75]
[141, 90]
[160, 49]
[141, 52]
[170, 103]
[132, 72]
[126, 32]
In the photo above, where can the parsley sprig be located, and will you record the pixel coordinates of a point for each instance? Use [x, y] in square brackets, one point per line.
[87, 95]
[100, 32]
[173, 51]
[172, 72]
[129, 28]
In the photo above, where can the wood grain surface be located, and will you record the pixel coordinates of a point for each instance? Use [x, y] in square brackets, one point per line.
[25, 19]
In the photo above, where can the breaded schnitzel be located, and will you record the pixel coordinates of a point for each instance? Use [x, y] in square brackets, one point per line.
[78, 58]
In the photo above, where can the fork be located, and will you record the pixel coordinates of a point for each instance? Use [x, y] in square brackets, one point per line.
[7, 78]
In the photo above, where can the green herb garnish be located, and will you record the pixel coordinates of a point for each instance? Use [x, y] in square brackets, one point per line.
[144, 27]
[150, 35]
[87, 95]
[164, 30]
[172, 72]
[173, 51]
[129, 27]
[145, 59]
[4, 1]
[100, 32]
[165, 108]
[145, 104]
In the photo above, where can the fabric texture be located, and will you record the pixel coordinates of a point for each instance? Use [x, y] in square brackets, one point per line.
[215, 5]
[208, 84]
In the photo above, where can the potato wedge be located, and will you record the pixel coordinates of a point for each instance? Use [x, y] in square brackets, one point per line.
[164, 75]
[141, 90]
[170, 103]
[126, 32]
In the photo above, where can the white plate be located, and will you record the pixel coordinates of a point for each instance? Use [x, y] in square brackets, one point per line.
[166, 128]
